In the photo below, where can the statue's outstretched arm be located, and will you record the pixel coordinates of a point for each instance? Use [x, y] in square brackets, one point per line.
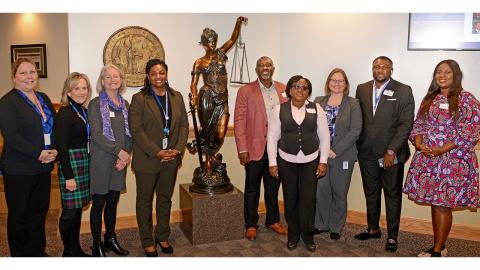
[236, 32]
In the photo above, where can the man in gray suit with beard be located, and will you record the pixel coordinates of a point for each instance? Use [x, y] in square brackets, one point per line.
[388, 112]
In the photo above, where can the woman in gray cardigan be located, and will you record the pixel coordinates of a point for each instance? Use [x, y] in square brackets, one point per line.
[345, 124]
[110, 147]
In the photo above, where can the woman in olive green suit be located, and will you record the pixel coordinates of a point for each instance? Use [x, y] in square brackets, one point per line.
[159, 125]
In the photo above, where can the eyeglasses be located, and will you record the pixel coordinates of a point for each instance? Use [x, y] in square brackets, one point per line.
[377, 67]
[300, 87]
[337, 81]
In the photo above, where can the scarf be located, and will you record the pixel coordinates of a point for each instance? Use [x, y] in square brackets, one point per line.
[105, 103]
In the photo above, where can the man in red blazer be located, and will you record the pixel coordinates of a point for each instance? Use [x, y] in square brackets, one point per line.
[252, 108]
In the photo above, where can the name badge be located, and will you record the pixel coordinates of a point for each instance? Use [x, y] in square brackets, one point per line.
[309, 110]
[444, 106]
[388, 93]
[345, 165]
[164, 143]
[112, 114]
[46, 138]
[284, 94]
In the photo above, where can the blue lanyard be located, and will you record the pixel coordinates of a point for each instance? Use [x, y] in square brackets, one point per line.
[84, 118]
[46, 124]
[377, 97]
[166, 129]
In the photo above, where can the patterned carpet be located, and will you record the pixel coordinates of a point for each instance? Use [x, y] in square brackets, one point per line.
[269, 244]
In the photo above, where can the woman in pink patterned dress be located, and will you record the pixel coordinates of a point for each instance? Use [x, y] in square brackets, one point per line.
[444, 169]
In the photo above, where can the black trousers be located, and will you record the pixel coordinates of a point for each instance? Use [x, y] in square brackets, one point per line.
[106, 204]
[69, 225]
[299, 188]
[28, 198]
[374, 179]
[255, 170]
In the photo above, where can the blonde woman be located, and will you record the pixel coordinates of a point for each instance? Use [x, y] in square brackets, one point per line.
[110, 147]
[72, 132]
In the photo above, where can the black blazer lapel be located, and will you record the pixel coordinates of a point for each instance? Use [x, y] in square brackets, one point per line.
[368, 99]
[383, 97]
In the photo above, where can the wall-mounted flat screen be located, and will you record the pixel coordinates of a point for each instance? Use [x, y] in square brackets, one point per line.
[444, 31]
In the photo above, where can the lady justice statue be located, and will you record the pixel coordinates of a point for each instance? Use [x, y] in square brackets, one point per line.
[212, 103]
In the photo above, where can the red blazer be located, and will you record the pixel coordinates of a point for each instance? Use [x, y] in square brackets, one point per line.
[250, 118]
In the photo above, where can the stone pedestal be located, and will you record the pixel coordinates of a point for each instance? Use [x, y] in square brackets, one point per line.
[211, 218]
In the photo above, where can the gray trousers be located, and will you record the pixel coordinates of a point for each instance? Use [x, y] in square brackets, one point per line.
[162, 183]
[332, 190]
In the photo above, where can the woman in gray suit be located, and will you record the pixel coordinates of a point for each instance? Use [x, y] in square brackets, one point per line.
[110, 146]
[345, 124]
[159, 124]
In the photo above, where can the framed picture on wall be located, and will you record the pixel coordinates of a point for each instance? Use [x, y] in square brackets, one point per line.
[37, 53]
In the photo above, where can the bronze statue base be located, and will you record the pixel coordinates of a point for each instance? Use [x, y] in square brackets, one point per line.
[214, 182]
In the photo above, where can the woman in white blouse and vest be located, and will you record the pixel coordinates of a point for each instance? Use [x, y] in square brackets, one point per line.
[298, 132]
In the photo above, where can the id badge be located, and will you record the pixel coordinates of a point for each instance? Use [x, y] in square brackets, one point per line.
[165, 143]
[46, 138]
[345, 165]
[88, 147]
[444, 106]
[112, 115]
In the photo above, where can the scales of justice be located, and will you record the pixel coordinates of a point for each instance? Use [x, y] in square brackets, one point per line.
[210, 105]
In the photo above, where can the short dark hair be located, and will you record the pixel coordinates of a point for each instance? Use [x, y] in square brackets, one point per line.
[295, 79]
[382, 57]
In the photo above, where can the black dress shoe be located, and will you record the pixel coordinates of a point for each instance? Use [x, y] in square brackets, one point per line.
[291, 245]
[318, 231]
[430, 253]
[366, 235]
[166, 250]
[334, 236]
[392, 244]
[112, 244]
[311, 247]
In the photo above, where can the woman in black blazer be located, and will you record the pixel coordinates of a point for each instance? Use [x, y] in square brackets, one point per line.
[26, 122]
[345, 124]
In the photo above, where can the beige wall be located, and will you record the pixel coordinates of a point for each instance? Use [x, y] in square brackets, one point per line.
[51, 29]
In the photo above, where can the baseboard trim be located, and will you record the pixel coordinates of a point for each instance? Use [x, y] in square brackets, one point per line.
[408, 224]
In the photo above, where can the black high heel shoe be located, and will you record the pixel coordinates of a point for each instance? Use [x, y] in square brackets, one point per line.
[98, 250]
[166, 250]
[153, 253]
[112, 244]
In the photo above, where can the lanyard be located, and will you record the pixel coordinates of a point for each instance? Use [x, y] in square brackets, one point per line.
[46, 124]
[84, 118]
[378, 96]
[166, 129]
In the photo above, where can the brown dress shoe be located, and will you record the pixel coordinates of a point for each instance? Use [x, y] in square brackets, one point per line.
[278, 228]
[251, 233]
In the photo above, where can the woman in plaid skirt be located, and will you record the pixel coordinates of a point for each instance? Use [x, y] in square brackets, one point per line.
[73, 131]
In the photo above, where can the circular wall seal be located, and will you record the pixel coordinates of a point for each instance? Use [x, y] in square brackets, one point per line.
[130, 48]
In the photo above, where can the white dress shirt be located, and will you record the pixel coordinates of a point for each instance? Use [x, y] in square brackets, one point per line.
[298, 114]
